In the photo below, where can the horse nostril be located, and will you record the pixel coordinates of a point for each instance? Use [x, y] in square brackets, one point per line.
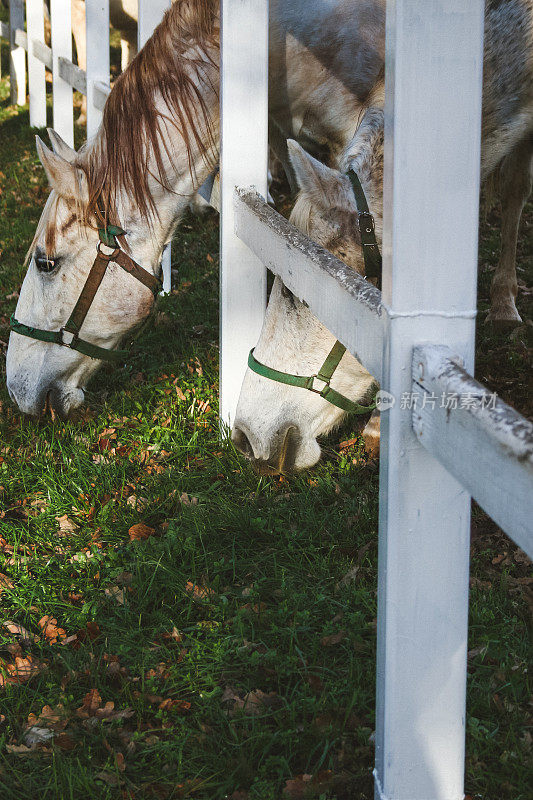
[242, 443]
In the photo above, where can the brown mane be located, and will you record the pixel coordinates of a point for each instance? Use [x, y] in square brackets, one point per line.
[173, 65]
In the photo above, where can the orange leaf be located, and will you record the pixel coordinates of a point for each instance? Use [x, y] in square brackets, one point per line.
[50, 630]
[198, 592]
[140, 531]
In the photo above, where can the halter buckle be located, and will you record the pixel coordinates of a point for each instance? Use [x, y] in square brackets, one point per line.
[366, 223]
[73, 337]
[310, 384]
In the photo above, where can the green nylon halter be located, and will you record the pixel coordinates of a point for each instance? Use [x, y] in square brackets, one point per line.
[67, 336]
[372, 259]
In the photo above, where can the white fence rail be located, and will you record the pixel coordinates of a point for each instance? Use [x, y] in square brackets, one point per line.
[433, 460]
[94, 81]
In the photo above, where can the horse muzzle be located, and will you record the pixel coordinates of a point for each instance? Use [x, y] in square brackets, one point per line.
[48, 398]
[282, 454]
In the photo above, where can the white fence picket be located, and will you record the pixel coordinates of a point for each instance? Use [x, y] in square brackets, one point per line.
[63, 108]
[98, 69]
[243, 162]
[150, 15]
[17, 57]
[431, 188]
[36, 71]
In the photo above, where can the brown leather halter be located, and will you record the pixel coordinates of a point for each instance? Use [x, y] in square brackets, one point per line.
[68, 335]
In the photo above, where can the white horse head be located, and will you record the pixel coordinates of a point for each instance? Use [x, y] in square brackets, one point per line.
[277, 425]
[62, 253]
[155, 146]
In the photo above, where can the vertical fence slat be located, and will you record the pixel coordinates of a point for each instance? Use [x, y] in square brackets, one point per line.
[36, 72]
[97, 32]
[60, 12]
[17, 56]
[150, 15]
[243, 162]
[431, 184]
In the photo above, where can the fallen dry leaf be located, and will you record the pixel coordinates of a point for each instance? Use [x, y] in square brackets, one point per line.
[252, 703]
[92, 708]
[20, 671]
[51, 631]
[120, 762]
[182, 706]
[65, 742]
[198, 592]
[19, 749]
[66, 526]
[140, 531]
[53, 718]
[295, 788]
[332, 639]
[111, 778]
[5, 582]
[116, 593]
[20, 630]
[187, 500]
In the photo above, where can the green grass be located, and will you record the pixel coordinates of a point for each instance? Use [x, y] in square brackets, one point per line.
[268, 552]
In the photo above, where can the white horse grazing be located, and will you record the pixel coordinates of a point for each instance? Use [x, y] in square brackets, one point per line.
[159, 141]
[293, 339]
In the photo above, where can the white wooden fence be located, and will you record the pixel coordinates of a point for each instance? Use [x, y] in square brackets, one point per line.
[94, 81]
[416, 339]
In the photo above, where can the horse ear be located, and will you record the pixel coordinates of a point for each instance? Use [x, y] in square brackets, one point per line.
[60, 147]
[68, 180]
[314, 178]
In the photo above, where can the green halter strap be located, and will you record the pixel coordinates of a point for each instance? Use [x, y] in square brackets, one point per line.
[68, 334]
[372, 258]
[367, 228]
[323, 376]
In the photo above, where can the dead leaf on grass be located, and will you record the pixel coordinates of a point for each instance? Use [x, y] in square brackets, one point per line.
[111, 778]
[20, 630]
[116, 593]
[181, 706]
[140, 531]
[19, 671]
[66, 526]
[5, 582]
[197, 591]
[333, 639]
[51, 631]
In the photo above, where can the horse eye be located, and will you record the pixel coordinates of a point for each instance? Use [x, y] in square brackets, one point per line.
[45, 264]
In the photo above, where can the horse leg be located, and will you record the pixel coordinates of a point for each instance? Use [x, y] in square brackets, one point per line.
[78, 32]
[516, 176]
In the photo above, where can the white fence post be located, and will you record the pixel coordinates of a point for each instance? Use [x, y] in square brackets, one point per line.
[243, 162]
[60, 12]
[431, 185]
[36, 73]
[17, 57]
[97, 27]
[150, 15]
